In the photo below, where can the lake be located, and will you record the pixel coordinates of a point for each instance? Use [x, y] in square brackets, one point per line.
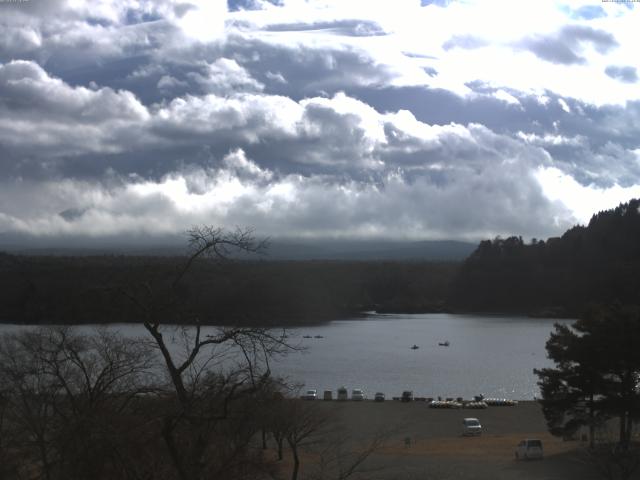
[490, 355]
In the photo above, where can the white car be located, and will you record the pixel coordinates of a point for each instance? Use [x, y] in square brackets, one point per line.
[357, 395]
[310, 395]
[471, 426]
[529, 449]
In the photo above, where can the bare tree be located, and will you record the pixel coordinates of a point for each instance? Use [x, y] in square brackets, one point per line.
[317, 430]
[215, 369]
[341, 457]
[304, 424]
[63, 392]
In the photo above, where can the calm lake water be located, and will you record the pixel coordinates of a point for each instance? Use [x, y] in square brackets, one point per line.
[492, 355]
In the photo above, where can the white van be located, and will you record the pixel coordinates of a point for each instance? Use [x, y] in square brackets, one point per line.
[471, 426]
[357, 394]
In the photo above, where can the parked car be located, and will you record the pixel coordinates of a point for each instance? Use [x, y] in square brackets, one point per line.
[328, 395]
[471, 426]
[407, 396]
[343, 394]
[529, 449]
[379, 397]
[310, 395]
[357, 395]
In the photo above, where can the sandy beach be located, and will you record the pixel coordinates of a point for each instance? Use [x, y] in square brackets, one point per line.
[427, 443]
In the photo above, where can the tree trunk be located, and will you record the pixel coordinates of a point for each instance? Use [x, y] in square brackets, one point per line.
[623, 430]
[264, 439]
[280, 454]
[167, 434]
[296, 461]
[629, 429]
[591, 423]
[45, 459]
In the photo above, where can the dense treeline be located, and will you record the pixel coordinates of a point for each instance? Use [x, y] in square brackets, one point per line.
[599, 263]
[82, 289]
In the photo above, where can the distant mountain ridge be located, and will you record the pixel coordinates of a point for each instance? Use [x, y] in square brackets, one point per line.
[434, 250]
[279, 249]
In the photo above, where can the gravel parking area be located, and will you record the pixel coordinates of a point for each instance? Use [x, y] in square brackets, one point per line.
[427, 443]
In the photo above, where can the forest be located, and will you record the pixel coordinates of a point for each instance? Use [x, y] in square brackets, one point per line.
[596, 263]
[74, 290]
[558, 277]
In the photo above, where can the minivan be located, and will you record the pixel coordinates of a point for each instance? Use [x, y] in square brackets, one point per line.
[529, 449]
[357, 395]
[471, 426]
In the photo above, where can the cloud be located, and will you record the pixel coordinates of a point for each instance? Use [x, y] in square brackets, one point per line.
[42, 117]
[565, 47]
[468, 42]
[355, 28]
[626, 74]
[224, 75]
[295, 157]
[299, 205]
[315, 118]
[588, 12]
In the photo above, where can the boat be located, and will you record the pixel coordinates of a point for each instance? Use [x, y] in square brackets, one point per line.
[415, 347]
[318, 336]
[306, 336]
[444, 344]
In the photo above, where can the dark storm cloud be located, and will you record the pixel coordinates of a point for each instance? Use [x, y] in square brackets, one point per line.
[624, 74]
[565, 47]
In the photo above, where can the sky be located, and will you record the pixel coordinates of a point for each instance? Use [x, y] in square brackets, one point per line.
[129, 120]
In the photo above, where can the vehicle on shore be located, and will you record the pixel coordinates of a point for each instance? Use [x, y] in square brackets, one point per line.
[311, 394]
[357, 395]
[343, 394]
[407, 396]
[529, 449]
[328, 395]
[471, 427]
[379, 397]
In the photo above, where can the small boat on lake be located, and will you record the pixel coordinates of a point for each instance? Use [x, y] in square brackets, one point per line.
[444, 344]
[318, 336]
[415, 347]
[307, 336]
